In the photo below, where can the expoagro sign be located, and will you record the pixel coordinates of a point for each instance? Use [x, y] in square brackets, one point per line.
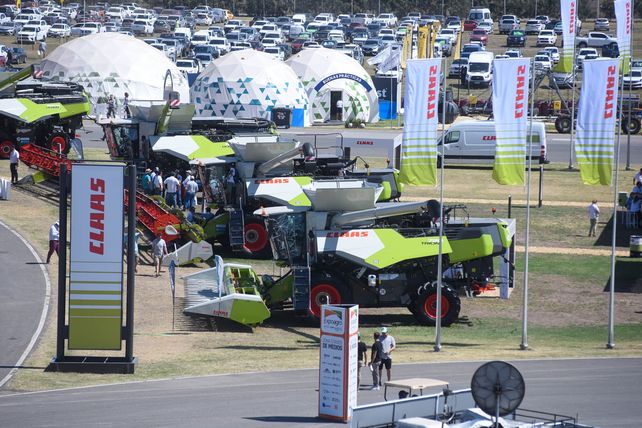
[96, 268]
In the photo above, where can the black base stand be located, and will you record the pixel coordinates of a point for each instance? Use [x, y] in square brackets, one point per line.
[100, 365]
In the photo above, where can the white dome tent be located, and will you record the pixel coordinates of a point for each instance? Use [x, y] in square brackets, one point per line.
[249, 84]
[329, 75]
[113, 63]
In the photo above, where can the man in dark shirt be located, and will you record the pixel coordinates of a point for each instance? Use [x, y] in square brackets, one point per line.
[375, 361]
[362, 350]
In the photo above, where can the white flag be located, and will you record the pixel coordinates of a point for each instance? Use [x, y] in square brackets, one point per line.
[510, 104]
[624, 17]
[381, 56]
[568, 9]
[597, 110]
[390, 62]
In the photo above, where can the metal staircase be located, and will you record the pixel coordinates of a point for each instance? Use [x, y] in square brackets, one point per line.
[301, 289]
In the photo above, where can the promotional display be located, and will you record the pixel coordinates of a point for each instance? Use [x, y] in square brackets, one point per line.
[568, 9]
[338, 361]
[422, 41]
[624, 17]
[96, 268]
[419, 155]
[406, 47]
[510, 110]
[597, 111]
[387, 92]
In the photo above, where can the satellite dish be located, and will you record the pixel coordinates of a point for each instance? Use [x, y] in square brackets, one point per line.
[498, 388]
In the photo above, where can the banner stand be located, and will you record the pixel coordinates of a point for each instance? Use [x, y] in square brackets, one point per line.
[94, 364]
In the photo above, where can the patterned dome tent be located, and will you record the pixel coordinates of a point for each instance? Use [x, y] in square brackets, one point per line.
[248, 84]
[113, 63]
[328, 75]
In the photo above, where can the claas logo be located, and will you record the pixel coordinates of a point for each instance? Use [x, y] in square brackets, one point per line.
[273, 181]
[349, 234]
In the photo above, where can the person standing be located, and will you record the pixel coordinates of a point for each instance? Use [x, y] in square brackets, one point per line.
[636, 202]
[340, 109]
[190, 192]
[593, 215]
[14, 160]
[111, 106]
[127, 112]
[230, 185]
[388, 344]
[42, 49]
[54, 236]
[376, 352]
[9, 58]
[158, 184]
[159, 248]
[171, 190]
[637, 177]
[362, 353]
[146, 181]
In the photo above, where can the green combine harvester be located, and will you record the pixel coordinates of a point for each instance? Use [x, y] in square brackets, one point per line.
[45, 114]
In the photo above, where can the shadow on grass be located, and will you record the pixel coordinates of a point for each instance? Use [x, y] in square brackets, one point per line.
[431, 344]
[260, 348]
[23, 367]
[628, 276]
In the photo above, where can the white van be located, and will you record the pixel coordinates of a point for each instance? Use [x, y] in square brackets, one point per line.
[480, 68]
[480, 15]
[473, 142]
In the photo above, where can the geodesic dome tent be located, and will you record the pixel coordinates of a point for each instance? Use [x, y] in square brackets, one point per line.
[328, 75]
[249, 84]
[113, 63]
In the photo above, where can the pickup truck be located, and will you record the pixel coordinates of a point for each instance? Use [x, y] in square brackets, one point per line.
[594, 39]
[31, 34]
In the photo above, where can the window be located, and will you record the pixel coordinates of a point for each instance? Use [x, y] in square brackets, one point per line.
[452, 137]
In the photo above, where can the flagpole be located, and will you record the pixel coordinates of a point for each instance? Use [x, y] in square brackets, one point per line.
[610, 344]
[524, 344]
[437, 347]
[572, 143]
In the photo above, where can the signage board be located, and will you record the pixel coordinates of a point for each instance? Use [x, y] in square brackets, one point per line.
[338, 361]
[96, 267]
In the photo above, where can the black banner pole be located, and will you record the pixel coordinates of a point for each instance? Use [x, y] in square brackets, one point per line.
[131, 261]
[62, 261]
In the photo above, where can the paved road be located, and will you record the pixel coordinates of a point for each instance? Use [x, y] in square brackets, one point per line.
[23, 294]
[604, 392]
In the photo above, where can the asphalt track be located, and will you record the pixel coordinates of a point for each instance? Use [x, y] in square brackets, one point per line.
[603, 392]
[24, 299]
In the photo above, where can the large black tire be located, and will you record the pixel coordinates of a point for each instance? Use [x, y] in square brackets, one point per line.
[631, 125]
[563, 124]
[426, 310]
[257, 242]
[59, 140]
[325, 289]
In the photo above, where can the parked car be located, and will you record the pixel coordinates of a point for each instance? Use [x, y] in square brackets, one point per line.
[7, 29]
[594, 39]
[221, 44]
[633, 80]
[542, 62]
[534, 26]
[142, 27]
[31, 34]
[554, 53]
[546, 38]
[601, 24]
[18, 55]
[188, 66]
[506, 25]
[59, 30]
[470, 48]
[516, 38]
[513, 53]
[486, 26]
[456, 66]
[583, 54]
[479, 35]
[470, 25]
[372, 46]
[544, 19]
[162, 26]
[204, 58]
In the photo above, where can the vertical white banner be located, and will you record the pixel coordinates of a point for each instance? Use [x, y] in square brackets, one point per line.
[597, 111]
[338, 361]
[624, 17]
[510, 111]
[96, 268]
[419, 149]
[568, 11]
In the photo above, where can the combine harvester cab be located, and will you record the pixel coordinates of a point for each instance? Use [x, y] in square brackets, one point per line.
[347, 249]
[228, 291]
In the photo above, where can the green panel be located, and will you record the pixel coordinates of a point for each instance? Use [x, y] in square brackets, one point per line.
[36, 111]
[96, 333]
[210, 149]
[249, 312]
[387, 192]
[279, 292]
[398, 248]
[469, 249]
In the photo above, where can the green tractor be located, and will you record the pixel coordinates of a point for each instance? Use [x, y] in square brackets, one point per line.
[45, 114]
[349, 250]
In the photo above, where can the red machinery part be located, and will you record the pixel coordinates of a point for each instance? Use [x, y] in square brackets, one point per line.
[43, 159]
[153, 217]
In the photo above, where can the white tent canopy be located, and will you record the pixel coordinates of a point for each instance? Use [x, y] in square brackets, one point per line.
[327, 75]
[248, 84]
[113, 63]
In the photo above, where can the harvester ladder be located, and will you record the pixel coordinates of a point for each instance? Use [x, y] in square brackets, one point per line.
[301, 289]
[237, 229]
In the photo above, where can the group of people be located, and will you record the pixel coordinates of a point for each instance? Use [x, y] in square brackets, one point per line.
[178, 192]
[111, 106]
[634, 202]
[380, 357]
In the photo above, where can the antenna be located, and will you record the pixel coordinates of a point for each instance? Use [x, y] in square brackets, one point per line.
[498, 388]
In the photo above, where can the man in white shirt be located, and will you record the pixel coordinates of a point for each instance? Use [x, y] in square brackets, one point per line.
[159, 248]
[171, 190]
[191, 187]
[54, 236]
[14, 159]
[388, 344]
[638, 177]
[594, 215]
[340, 109]
[157, 183]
